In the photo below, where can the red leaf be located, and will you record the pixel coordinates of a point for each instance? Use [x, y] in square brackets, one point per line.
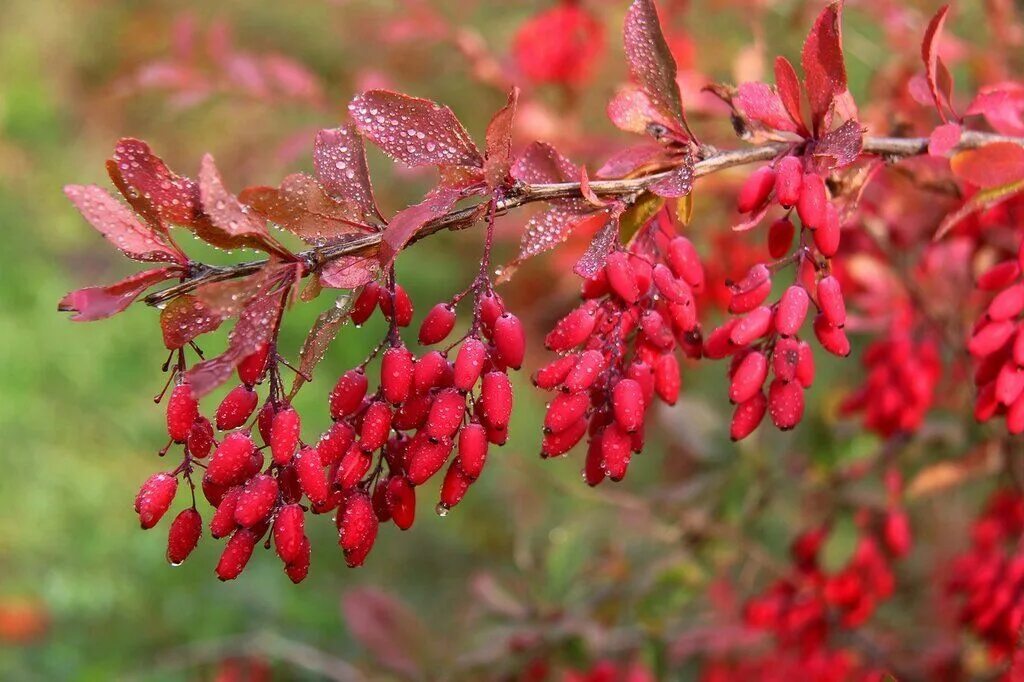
[349, 272]
[120, 226]
[152, 189]
[96, 303]
[930, 55]
[320, 337]
[677, 183]
[824, 71]
[594, 258]
[788, 84]
[417, 132]
[540, 163]
[842, 146]
[994, 165]
[761, 103]
[301, 207]
[650, 61]
[231, 223]
[255, 326]
[388, 629]
[944, 139]
[498, 163]
[406, 223]
[1002, 105]
[630, 160]
[340, 162]
[547, 230]
[185, 318]
[633, 111]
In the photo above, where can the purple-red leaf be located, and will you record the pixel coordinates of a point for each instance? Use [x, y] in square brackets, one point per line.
[255, 327]
[650, 61]
[594, 258]
[630, 160]
[349, 272]
[121, 227]
[154, 191]
[633, 111]
[320, 337]
[185, 318]
[417, 132]
[677, 183]
[1002, 105]
[824, 70]
[760, 102]
[994, 165]
[96, 303]
[498, 163]
[788, 85]
[231, 223]
[301, 207]
[340, 162]
[840, 147]
[406, 223]
[930, 55]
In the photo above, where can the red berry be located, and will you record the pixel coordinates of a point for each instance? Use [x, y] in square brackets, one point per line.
[236, 554]
[756, 189]
[554, 373]
[621, 277]
[403, 307]
[832, 338]
[616, 451]
[232, 459]
[154, 498]
[999, 276]
[469, 363]
[792, 310]
[223, 522]
[335, 443]
[565, 410]
[401, 500]
[747, 416]
[252, 366]
[788, 180]
[752, 290]
[348, 393]
[365, 303]
[446, 414]
[828, 234]
[284, 435]
[182, 412]
[491, 308]
[496, 399]
[748, 377]
[453, 488]
[667, 379]
[628, 404]
[376, 426]
[472, 449]
[257, 499]
[671, 288]
[353, 466]
[357, 521]
[200, 438]
[237, 406]
[811, 204]
[183, 535]
[299, 569]
[396, 374]
[1007, 304]
[430, 371]
[593, 471]
[573, 329]
[785, 403]
[685, 262]
[585, 372]
[830, 298]
[805, 365]
[752, 326]
[510, 340]
[438, 324]
[426, 457]
[312, 479]
[558, 443]
[780, 237]
[289, 533]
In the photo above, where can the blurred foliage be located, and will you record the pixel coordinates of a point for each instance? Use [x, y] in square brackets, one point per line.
[86, 595]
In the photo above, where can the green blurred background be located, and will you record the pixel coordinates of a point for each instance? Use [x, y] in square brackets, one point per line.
[84, 594]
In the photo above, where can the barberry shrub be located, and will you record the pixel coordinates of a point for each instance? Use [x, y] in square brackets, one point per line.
[844, 252]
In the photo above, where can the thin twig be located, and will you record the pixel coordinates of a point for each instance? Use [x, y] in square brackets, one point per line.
[889, 147]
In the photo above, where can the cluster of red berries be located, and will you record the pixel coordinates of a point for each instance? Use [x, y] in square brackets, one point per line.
[366, 467]
[997, 342]
[802, 610]
[989, 577]
[903, 373]
[618, 350]
[765, 340]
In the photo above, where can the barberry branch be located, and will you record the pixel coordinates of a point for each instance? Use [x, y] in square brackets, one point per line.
[713, 162]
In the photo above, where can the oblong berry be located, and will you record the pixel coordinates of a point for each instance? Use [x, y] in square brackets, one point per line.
[830, 298]
[182, 412]
[426, 457]
[231, 460]
[312, 478]
[469, 363]
[357, 521]
[585, 372]
[446, 414]
[752, 326]
[616, 452]
[749, 377]
[299, 569]
[252, 366]
[237, 406]
[236, 554]
[365, 303]
[788, 179]
[756, 189]
[438, 324]
[621, 278]
[554, 373]
[573, 329]
[259, 495]
[780, 237]
[335, 443]
[496, 399]
[376, 426]
[558, 443]
[401, 501]
[785, 403]
[565, 410]
[347, 395]
[675, 290]
[685, 262]
[200, 438]
[289, 532]
[813, 198]
[832, 338]
[491, 308]
[999, 276]
[430, 371]
[628, 404]
[1007, 304]
[510, 340]
[352, 467]
[751, 291]
[747, 416]
[154, 498]
[829, 233]
[472, 449]
[223, 524]
[183, 536]
[667, 378]
[453, 488]
[284, 435]
[396, 374]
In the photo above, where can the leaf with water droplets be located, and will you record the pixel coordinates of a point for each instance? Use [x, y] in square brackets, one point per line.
[540, 163]
[185, 318]
[349, 272]
[96, 303]
[824, 70]
[631, 160]
[256, 326]
[230, 224]
[157, 193]
[406, 223]
[120, 226]
[650, 61]
[340, 162]
[678, 182]
[840, 147]
[301, 207]
[498, 163]
[760, 103]
[417, 132]
[320, 337]
[594, 258]
[632, 110]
